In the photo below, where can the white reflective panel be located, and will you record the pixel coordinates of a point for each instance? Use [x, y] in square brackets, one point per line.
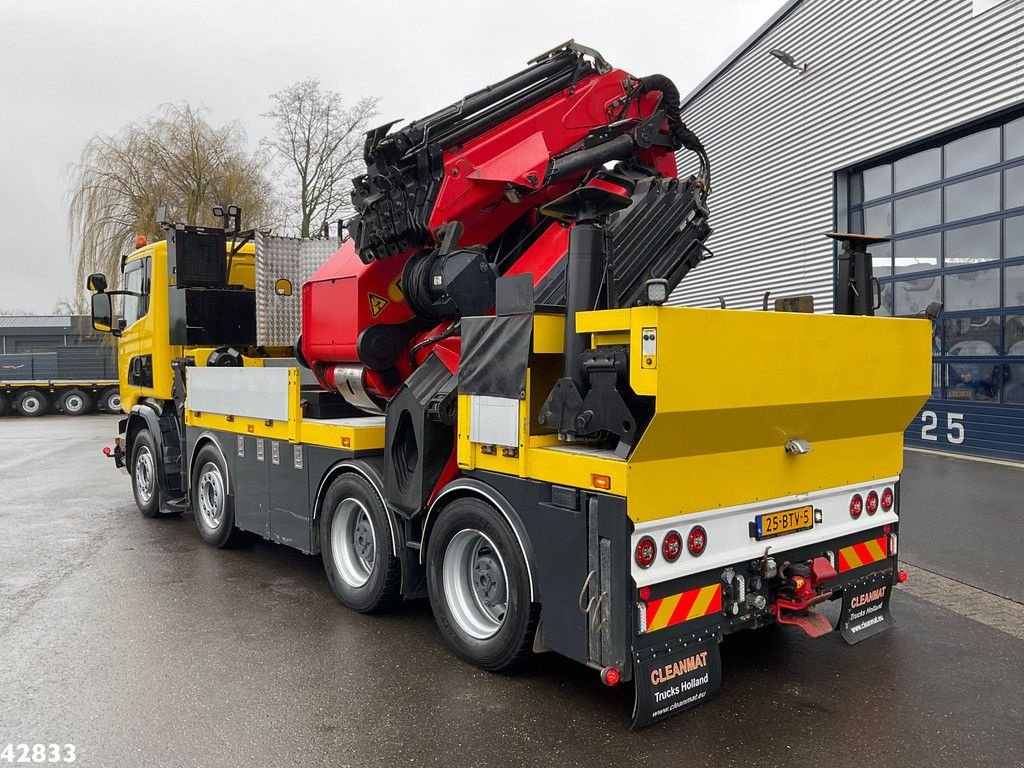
[494, 420]
[258, 393]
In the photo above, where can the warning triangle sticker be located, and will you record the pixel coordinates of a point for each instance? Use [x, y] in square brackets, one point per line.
[377, 304]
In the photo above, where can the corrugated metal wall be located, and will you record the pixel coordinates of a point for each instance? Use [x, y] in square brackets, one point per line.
[882, 74]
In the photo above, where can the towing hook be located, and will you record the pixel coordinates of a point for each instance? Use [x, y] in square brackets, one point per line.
[107, 452]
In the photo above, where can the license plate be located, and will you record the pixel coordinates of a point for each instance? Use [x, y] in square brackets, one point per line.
[787, 521]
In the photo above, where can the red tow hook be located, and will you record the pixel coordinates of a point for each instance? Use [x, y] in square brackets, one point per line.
[805, 596]
[107, 451]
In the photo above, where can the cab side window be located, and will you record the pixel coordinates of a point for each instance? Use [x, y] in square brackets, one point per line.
[136, 283]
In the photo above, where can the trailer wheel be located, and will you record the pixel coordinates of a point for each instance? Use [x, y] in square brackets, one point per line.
[75, 402]
[212, 505]
[5, 405]
[145, 474]
[356, 547]
[110, 400]
[479, 586]
[31, 402]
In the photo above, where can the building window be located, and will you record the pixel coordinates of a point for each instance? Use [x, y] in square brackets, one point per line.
[955, 213]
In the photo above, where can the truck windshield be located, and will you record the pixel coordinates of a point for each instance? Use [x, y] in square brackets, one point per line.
[136, 284]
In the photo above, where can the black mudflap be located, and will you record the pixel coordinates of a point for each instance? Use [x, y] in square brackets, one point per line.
[670, 680]
[866, 608]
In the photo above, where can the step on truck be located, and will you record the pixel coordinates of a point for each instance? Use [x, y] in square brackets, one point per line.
[487, 402]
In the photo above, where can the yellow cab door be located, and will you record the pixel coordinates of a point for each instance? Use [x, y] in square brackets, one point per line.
[134, 356]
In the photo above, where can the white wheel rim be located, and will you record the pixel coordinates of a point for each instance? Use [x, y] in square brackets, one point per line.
[353, 542]
[475, 583]
[145, 474]
[31, 404]
[73, 403]
[211, 496]
[114, 402]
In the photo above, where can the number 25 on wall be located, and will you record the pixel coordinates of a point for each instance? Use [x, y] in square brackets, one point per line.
[954, 427]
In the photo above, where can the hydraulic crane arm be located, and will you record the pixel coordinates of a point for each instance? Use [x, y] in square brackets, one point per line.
[450, 202]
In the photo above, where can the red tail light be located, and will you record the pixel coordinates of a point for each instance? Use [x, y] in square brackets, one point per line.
[646, 549]
[887, 499]
[856, 506]
[697, 540]
[672, 546]
[610, 676]
[872, 502]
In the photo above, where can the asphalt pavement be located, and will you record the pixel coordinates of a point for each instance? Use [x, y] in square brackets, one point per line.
[143, 647]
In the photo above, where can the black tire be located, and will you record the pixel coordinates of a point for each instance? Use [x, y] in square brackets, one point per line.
[356, 547]
[5, 405]
[32, 402]
[213, 504]
[110, 400]
[144, 470]
[512, 641]
[75, 402]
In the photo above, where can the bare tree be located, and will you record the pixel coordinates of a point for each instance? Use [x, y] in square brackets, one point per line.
[174, 158]
[319, 142]
[72, 305]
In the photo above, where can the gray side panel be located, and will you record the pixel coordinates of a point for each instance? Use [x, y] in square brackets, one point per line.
[290, 509]
[251, 484]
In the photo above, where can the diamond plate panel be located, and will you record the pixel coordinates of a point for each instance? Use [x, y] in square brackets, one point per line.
[278, 317]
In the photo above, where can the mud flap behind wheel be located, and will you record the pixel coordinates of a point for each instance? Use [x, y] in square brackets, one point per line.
[866, 608]
[667, 680]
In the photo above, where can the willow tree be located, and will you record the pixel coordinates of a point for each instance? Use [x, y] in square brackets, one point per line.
[173, 158]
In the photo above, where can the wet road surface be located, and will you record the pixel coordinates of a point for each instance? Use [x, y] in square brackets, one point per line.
[143, 647]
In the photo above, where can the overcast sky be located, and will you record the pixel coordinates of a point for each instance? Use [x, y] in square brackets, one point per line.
[73, 68]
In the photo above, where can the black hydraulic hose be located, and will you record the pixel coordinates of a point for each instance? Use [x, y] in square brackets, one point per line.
[682, 136]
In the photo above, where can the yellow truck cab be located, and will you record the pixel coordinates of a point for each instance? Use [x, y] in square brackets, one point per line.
[148, 317]
[202, 311]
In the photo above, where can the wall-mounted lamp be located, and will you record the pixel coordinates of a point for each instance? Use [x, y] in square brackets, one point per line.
[788, 60]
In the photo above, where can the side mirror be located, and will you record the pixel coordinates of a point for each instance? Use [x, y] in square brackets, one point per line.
[97, 282]
[102, 311]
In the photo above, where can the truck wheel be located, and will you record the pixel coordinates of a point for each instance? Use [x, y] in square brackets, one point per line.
[75, 402]
[31, 402]
[356, 547]
[212, 505]
[479, 587]
[5, 405]
[145, 475]
[110, 400]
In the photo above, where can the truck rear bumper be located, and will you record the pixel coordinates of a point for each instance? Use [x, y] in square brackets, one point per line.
[679, 623]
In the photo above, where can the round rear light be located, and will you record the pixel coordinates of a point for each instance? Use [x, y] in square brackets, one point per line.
[672, 546]
[887, 499]
[646, 549]
[697, 540]
[872, 502]
[856, 506]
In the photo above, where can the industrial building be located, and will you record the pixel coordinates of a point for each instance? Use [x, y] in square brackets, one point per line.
[896, 118]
